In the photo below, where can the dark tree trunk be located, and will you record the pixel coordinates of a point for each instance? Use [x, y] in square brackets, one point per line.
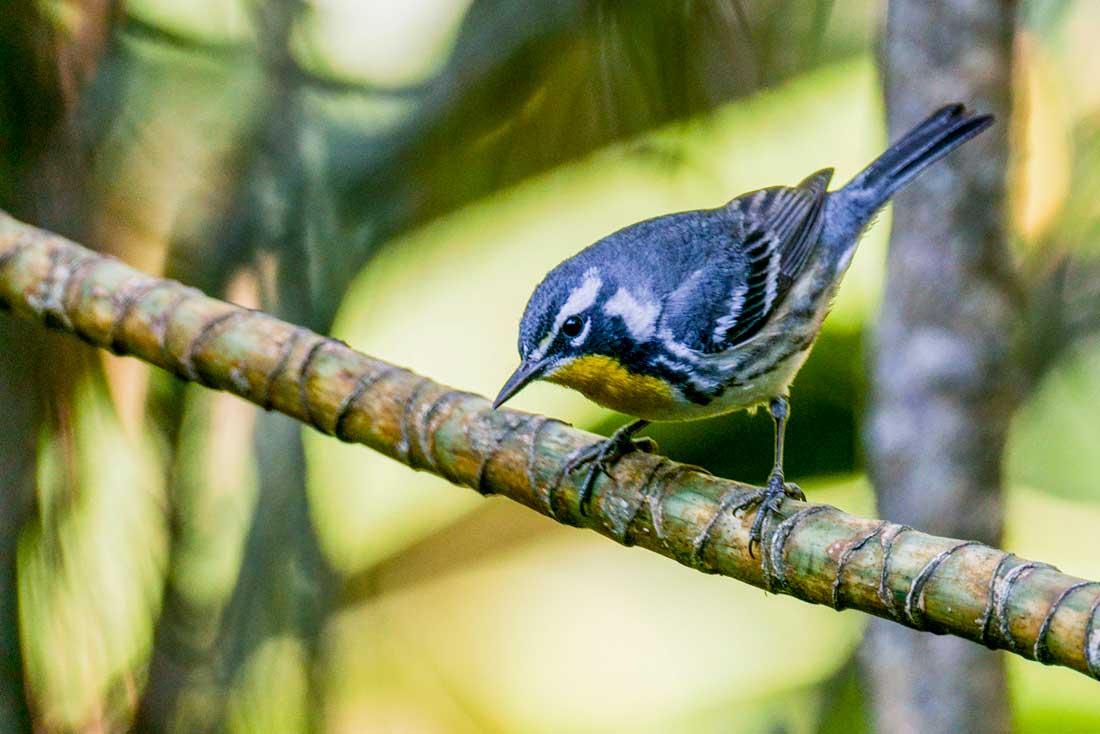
[942, 393]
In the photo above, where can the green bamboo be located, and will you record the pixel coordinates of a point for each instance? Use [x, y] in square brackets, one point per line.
[813, 552]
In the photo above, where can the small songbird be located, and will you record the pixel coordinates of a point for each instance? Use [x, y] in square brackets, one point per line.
[702, 313]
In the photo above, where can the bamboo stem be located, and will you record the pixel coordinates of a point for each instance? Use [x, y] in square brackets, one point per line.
[813, 552]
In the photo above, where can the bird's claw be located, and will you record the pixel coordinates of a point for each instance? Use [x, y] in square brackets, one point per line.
[769, 500]
[601, 456]
[793, 491]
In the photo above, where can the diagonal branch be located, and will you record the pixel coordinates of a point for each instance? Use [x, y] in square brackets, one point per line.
[815, 553]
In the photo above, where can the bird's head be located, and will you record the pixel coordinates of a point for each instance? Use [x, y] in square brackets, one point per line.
[586, 330]
[563, 322]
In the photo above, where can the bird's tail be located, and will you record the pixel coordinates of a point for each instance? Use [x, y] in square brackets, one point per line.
[939, 134]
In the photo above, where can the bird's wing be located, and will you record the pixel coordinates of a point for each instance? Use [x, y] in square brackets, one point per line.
[780, 226]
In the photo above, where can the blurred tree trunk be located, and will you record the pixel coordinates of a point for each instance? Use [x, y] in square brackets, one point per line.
[942, 392]
[285, 585]
[43, 70]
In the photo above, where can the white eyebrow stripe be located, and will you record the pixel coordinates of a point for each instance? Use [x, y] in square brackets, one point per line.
[639, 317]
[581, 298]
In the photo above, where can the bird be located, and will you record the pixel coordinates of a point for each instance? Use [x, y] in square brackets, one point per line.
[701, 313]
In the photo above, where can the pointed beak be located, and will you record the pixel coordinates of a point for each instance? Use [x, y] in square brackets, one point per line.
[526, 373]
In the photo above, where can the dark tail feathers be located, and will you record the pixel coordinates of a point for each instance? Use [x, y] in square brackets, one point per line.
[939, 134]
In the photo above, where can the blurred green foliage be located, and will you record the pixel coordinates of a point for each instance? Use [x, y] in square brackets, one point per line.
[402, 175]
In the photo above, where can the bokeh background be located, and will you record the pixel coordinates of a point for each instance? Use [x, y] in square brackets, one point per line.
[400, 175]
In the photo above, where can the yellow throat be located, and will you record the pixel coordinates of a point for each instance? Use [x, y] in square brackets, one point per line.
[606, 381]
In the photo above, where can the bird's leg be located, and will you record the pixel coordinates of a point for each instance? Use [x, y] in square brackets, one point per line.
[603, 454]
[770, 498]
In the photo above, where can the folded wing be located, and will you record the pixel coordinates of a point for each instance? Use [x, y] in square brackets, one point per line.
[780, 228]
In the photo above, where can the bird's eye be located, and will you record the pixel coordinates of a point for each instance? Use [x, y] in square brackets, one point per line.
[572, 326]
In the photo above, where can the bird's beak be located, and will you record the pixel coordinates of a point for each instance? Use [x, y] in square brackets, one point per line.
[526, 373]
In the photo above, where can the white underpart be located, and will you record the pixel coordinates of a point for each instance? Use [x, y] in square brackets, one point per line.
[640, 317]
[580, 299]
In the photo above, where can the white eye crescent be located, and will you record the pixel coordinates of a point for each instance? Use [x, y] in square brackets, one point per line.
[578, 333]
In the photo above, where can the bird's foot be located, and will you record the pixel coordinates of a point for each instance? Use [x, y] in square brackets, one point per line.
[601, 456]
[769, 499]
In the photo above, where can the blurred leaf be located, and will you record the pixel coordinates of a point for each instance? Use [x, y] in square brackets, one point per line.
[1058, 530]
[1051, 700]
[571, 633]
[532, 85]
[1052, 444]
[91, 570]
[215, 492]
[216, 22]
[380, 42]
[272, 695]
[843, 702]
[1041, 174]
[1071, 37]
[160, 181]
[1046, 16]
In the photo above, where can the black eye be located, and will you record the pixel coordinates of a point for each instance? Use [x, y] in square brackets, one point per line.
[572, 326]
